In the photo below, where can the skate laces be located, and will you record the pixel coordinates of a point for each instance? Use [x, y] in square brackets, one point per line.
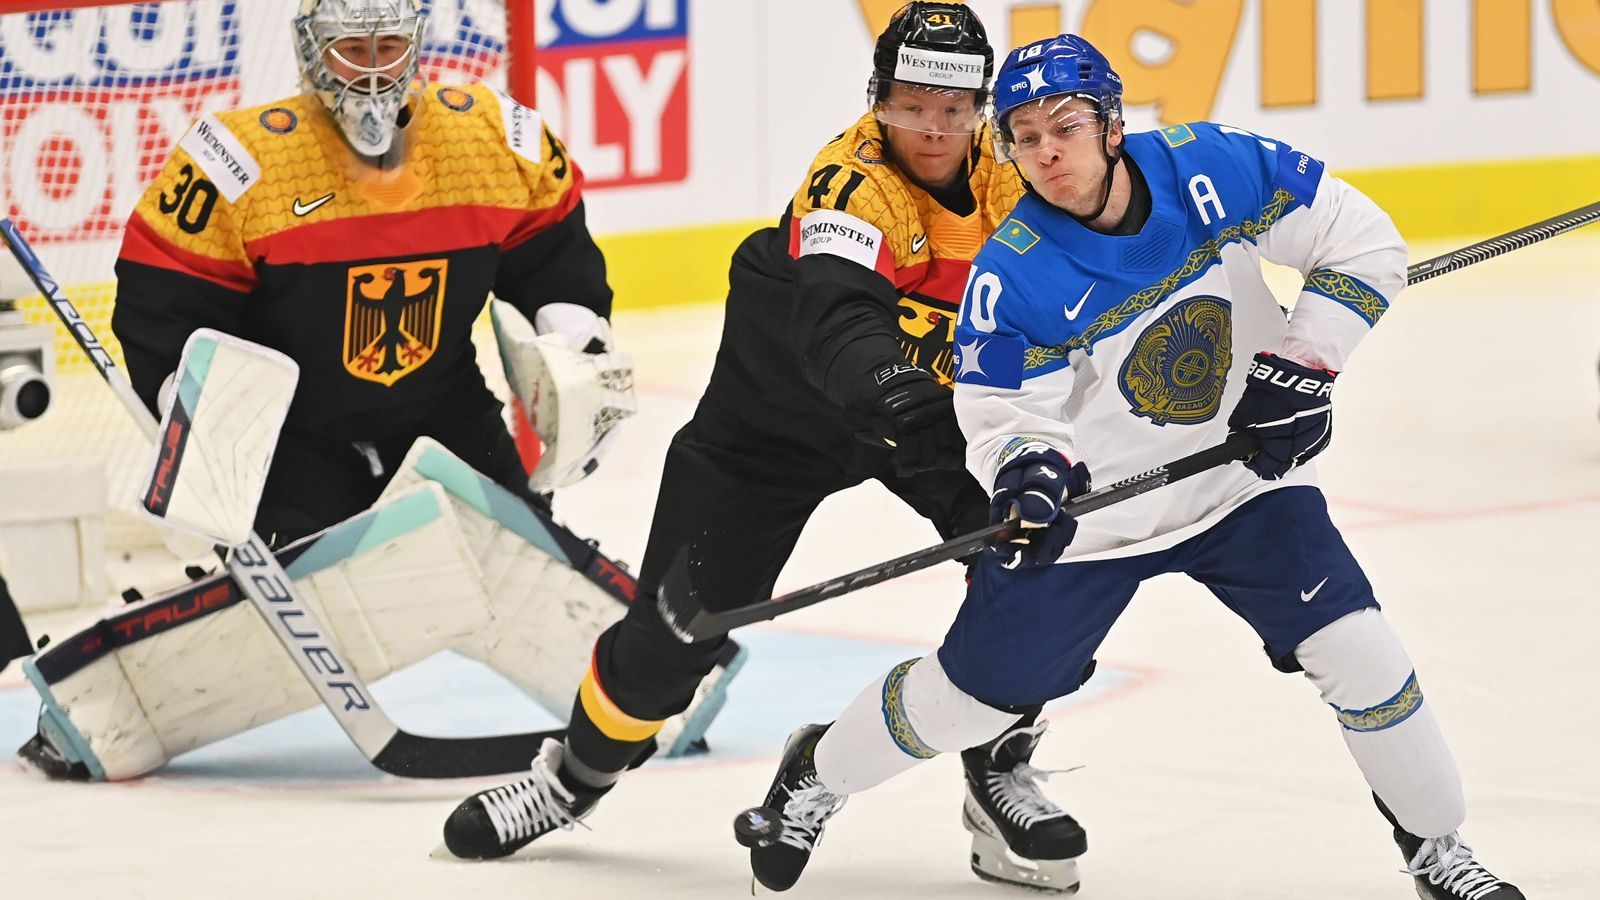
[1447, 862]
[533, 805]
[1018, 797]
[1016, 793]
[809, 806]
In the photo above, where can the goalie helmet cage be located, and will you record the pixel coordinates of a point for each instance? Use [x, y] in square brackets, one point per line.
[93, 95]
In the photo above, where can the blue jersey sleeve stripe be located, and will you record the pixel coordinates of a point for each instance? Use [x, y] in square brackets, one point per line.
[1349, 292]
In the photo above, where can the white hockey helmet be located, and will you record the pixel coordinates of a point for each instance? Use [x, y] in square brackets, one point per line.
[367, 93]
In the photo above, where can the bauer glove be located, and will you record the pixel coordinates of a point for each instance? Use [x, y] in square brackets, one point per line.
[1289, 408]
[1037, 482]
[916, 415]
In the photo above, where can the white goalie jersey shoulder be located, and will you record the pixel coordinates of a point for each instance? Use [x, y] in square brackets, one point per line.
[568, 387]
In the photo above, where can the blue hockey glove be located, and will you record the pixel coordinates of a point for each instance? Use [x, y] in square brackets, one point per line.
[1037, 482]
[1289, 408]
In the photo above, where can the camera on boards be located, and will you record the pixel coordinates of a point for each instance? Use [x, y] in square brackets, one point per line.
[27, 357]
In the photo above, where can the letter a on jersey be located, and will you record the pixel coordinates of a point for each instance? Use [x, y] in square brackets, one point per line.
[392, 318]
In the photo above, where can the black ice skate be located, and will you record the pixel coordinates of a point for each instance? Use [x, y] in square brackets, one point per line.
[46, 753]
[1444, 867]
[500, 821]
[1018, 835]
[783, 831]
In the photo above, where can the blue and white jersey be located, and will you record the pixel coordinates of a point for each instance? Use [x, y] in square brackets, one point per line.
[1128, 352]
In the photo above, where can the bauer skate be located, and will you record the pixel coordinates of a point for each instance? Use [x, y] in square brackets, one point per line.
[782, 832]
[1018, 836]
[500, 821]
[1444, 867]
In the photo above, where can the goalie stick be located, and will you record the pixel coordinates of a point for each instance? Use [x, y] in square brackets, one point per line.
[258, 574]
[683, 611]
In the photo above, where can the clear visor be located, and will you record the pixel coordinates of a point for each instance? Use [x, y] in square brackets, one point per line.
[929, 110]
[373, 63]
[1049, 123]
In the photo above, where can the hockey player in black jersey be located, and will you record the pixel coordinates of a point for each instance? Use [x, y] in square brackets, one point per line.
[834, 368]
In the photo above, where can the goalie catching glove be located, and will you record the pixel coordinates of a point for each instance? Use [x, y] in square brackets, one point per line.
[569, 389]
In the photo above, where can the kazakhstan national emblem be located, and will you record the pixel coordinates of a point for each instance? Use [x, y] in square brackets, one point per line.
[392, 318]
[1178, 367]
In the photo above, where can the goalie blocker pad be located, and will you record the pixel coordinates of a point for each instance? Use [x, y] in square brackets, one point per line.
[219, 428]
[567, 387]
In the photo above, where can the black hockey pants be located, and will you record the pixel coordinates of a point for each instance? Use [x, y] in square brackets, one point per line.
[739, 506]
[316, 482]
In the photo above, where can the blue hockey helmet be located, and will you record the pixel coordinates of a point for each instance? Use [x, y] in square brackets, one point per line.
[1065, 64]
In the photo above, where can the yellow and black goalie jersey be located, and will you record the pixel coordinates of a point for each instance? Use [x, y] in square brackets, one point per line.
[264, 224]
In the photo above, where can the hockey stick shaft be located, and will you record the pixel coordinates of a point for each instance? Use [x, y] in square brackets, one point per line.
[269, 588]
[1505, 243]
[690, 620]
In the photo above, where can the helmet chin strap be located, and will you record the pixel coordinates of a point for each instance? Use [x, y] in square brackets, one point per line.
[1111, 171]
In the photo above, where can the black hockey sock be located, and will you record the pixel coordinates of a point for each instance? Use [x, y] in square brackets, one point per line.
[595, 761]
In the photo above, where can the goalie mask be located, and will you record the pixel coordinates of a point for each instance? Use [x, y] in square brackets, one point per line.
[360, 59]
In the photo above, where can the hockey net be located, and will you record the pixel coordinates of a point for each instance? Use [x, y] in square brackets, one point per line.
[92, 98]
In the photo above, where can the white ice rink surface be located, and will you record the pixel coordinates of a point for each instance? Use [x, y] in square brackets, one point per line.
[1465, 474]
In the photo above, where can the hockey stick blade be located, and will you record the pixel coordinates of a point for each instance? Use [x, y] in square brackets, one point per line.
[680, 604]
[417, 756]
[256, 571]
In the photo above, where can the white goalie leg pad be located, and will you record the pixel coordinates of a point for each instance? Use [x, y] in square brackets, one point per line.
[544, 613]
[911, 714]
[569, 386]
[171, 673]
[1363, 672]
[551, 595]
[219, 428]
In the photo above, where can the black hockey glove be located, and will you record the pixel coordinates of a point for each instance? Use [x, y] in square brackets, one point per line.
[1037, 482]
[916, 415]
[1289, 407]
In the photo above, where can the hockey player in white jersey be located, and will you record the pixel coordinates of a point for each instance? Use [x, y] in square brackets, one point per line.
[1117, 320]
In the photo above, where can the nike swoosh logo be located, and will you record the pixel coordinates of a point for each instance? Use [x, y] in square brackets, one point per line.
[917, 242]
[1305, 596]
[305, 209]
[1072, 311]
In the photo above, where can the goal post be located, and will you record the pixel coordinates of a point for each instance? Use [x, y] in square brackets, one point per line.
[93, 95]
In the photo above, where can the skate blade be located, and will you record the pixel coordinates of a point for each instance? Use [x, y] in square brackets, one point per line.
[443, 852]
[993, 861]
